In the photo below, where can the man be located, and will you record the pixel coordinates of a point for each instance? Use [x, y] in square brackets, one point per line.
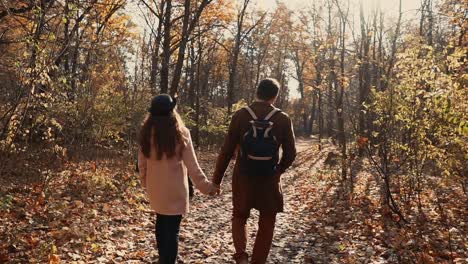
[256, 191]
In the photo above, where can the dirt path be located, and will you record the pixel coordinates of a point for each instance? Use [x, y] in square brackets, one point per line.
[322, 222]
[318, 226]
[84, 221]
[102, 216]
[209, 222]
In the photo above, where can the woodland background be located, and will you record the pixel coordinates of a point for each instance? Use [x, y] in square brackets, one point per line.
[387, 94]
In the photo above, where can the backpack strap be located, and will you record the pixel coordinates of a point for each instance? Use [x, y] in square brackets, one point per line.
[271, 114]
[267, 118]
[251, 112]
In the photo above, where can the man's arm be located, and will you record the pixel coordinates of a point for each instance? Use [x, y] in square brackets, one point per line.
[228, 149]
[289, 148]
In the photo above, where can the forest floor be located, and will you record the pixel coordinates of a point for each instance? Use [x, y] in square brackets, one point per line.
[97, 213]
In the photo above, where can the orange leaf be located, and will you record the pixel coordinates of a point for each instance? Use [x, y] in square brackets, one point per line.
[362, 142]
[32, 241]
[54, 259]
[93, 166]
[4, 257]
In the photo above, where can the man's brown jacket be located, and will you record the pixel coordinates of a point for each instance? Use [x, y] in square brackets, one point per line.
[262, 193]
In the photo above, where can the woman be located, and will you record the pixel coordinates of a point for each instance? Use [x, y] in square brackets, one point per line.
[166, 155]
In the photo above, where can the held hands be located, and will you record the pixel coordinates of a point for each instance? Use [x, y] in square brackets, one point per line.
[214, 189]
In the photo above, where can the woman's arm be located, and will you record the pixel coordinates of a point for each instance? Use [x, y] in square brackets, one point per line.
[195, 172]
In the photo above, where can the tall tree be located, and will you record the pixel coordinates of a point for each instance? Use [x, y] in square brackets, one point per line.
[342, 84]
[166, 53]
[239, 36]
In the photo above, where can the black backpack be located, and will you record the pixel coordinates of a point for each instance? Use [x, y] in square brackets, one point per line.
[259, 148]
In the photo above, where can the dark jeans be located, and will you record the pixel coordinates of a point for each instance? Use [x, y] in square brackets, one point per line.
[167, 237]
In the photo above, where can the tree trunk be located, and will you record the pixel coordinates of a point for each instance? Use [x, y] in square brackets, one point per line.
[331, 77]
[393, 49]
[364, 80]
[181, 50]
[339, 106]
[312, 112]
[320, 118]
[330, 97]
[197, 96]
[166, 48]
[155, 51]
[187, 28]
[235, 58]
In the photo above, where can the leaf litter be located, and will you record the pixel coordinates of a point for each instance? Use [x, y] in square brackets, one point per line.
[97, 215]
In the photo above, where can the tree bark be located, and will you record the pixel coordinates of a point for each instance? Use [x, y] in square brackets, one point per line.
[235, 57]
[331, 77]
[312, 112]
[166, 48]
[187, 28]
[155, 51]
[339, 100]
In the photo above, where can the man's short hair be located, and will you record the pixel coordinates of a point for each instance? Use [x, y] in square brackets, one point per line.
[268, 89]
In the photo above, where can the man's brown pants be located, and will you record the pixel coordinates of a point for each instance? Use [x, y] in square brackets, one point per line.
[266, 226]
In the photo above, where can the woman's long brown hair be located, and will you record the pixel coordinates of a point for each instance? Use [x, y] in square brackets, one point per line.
[163, 133]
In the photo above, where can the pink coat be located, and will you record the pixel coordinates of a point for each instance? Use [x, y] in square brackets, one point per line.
[166, 181]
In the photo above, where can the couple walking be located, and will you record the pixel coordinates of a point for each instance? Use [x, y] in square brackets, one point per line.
[255, 135]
